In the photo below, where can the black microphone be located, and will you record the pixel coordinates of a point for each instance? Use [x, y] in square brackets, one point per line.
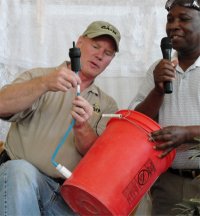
[75, 54]
[166, 47]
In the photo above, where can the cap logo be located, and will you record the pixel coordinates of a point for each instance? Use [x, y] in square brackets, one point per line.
[109, 28]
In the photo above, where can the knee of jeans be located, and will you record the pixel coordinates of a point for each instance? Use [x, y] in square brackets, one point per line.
[20, 169]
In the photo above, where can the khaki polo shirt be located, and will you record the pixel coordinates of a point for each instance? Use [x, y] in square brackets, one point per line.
[35, 133]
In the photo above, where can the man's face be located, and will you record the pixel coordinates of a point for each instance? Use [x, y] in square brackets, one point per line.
[96, 54]
[183, 27]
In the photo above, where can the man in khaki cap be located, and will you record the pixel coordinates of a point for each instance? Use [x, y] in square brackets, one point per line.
[99, 28]
[40, 104]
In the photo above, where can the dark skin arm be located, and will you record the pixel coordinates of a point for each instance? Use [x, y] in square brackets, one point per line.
[164, 71]
[170, 137]
[173, 136]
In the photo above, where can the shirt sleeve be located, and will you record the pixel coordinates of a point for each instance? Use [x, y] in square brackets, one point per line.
[25, 76]
[145, 87]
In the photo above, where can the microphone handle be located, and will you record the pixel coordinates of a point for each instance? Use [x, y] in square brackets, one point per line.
[168, 87]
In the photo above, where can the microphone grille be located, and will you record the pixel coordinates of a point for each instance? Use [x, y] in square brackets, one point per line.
[166, 43]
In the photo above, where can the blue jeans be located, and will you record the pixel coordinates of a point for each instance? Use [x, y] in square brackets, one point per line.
[25, 191]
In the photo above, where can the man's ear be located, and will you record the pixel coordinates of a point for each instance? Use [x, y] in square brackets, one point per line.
[79, 41]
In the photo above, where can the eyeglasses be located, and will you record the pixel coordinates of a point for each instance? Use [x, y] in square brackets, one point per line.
[185, 3]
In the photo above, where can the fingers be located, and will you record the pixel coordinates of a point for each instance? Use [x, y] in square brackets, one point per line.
[82, 110]
[165, 142]
[161, 135]
[164, 145]
[174, 62]
[169, 138]
[72, 79]
[166, 152]
[164, 71]
[62, 79]
[68, 77]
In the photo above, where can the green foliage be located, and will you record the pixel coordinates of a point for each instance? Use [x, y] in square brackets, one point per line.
[188, 208]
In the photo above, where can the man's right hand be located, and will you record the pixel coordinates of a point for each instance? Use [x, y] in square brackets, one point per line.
[164, 71]
[61, 79]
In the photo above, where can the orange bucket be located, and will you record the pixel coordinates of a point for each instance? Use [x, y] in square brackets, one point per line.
[118, 170]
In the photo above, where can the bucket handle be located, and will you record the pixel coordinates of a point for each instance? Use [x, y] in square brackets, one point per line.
[120, 116]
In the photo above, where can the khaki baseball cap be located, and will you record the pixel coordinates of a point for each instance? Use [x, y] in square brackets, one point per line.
[99, 28]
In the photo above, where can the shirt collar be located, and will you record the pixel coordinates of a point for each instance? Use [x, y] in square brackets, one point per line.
[92, 88]
[196, 63]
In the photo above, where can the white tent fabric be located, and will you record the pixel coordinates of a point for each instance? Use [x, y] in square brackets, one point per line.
[40, 32]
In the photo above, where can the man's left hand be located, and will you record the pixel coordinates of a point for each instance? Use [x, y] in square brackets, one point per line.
[81, 110]
[169, 138]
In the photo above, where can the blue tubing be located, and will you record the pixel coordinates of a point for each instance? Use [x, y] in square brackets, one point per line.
[61, 143]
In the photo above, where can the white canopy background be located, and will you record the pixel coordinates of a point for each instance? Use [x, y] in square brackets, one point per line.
[40, 32]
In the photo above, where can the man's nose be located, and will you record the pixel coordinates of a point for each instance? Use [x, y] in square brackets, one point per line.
[100, 54]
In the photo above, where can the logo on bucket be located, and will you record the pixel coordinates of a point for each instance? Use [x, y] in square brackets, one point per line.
[139, 181]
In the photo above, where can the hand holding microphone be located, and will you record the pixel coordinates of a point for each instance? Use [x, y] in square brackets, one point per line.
[166, 48]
